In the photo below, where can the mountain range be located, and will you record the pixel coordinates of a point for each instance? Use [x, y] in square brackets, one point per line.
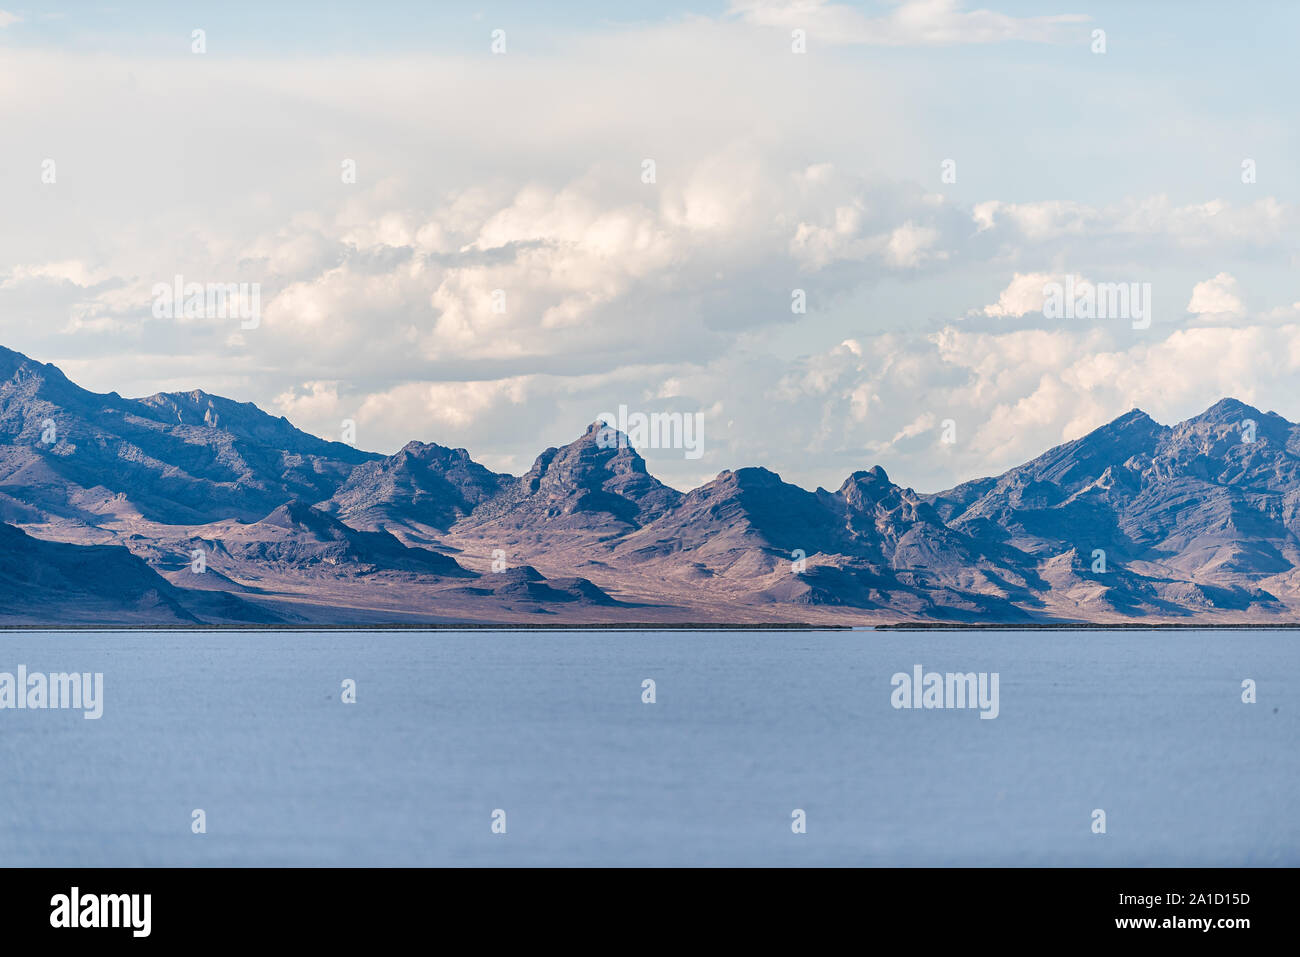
[185, 508]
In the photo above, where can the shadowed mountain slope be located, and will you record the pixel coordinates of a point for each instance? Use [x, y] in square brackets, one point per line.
[173, 457]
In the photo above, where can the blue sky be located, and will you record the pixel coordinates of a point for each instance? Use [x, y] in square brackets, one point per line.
[775, 171]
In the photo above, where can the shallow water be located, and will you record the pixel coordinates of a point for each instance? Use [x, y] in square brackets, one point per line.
[551, 728]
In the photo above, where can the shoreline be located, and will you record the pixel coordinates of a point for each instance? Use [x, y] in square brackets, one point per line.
[917, 626]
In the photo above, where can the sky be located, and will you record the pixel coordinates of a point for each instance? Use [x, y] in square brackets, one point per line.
[499, 272]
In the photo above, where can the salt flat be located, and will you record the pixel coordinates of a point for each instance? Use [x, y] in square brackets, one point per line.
[745, 729]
